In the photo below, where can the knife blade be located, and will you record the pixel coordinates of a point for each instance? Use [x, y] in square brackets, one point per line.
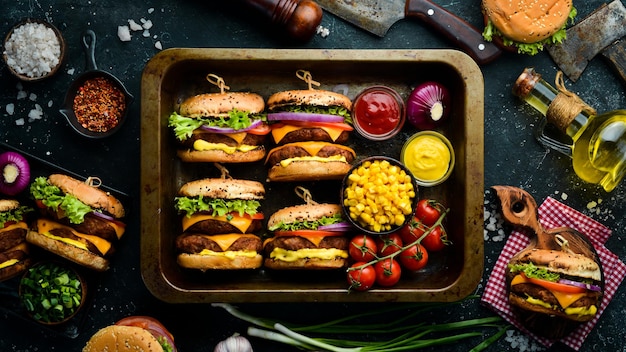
[377, 16]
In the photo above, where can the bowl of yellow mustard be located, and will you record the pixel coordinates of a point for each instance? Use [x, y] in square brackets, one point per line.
[429, 156]
[379, 195]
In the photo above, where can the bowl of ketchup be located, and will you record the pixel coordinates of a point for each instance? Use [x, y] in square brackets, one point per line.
[378, 113]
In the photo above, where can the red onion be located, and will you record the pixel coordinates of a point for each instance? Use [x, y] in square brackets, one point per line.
[215, 129]
[428, 105]
[102, 216]
[303, 116]
[581, 285]
[15, 173]
[340, 227]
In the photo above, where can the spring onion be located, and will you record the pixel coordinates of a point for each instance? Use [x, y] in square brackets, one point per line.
[51, 292]
[405, 332]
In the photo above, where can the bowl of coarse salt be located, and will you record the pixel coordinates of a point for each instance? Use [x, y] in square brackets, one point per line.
[33, 50]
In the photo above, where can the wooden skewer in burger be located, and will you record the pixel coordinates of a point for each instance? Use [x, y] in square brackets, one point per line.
[225, 127]
[309, 127]
[556, 282]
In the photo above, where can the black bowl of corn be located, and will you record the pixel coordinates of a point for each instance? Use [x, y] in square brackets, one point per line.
[52, 292]
[379, 195]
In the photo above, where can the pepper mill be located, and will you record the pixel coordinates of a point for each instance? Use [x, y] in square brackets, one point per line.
[300, 18]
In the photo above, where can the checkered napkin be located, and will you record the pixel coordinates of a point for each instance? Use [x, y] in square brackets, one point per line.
[555, 214]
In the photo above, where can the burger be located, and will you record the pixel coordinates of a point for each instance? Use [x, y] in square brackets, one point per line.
[134, 333]
[79, 221]
[553, 291]
[226, 127]
[307, 236]
[525, 25]
[220, 217]
[14, 253]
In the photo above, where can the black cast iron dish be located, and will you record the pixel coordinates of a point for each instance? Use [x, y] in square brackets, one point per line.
[92, 71]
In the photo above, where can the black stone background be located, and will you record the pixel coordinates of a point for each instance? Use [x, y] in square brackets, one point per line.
[512, 156]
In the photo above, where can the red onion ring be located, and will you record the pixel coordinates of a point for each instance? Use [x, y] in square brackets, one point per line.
[303, 116]
[14, 173]
[581, 285]
[428, 105]
[339, 227]
[215, 129]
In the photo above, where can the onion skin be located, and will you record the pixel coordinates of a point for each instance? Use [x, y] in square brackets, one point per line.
[428, 105]
[14, 173]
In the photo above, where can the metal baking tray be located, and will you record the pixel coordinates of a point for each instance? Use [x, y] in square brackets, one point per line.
[174, 74]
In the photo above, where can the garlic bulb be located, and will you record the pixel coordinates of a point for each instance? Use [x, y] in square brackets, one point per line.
[235, 343]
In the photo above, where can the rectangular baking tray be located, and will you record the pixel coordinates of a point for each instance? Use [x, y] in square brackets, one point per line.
[175, 74]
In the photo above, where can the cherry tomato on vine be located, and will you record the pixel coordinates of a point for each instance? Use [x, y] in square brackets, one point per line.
[388, 272]
[414, 257]
[428, 211]
[412, 231]
[388, 244]
[363, 278]
[363, 248]
[436, 240]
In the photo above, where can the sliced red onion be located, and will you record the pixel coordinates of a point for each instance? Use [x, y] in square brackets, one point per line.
[14, 173]
[580, 284]
[215, 129]
[428, 105]
[102, 216]
[303, 116]
[339, 227]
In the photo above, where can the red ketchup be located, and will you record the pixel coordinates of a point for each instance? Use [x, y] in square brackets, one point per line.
[378, 113]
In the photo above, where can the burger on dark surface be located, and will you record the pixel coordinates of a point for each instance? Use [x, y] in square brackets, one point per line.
[220, 216]
[80, 221]
[526, 25]
[14, 253]
[553, 291]
[225, 127]
[134, 333]
[307, 236]
[309, 127]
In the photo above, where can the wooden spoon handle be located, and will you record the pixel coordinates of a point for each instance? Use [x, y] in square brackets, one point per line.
[519, 208]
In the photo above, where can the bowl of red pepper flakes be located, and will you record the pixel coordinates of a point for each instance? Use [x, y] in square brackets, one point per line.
[96, 104]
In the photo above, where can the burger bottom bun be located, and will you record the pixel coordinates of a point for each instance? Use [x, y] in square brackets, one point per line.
[118, 338]
[210, 262]
[306, 263]
[220, 156]
[14, 270]
[309, 170]
[75, 254]
[543, 321]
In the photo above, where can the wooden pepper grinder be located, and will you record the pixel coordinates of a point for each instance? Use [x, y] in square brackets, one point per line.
[300, 18]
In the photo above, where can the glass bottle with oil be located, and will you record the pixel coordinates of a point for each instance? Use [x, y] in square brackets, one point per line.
[598, 141]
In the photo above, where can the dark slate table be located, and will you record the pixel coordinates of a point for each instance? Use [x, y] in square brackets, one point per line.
[512, 156]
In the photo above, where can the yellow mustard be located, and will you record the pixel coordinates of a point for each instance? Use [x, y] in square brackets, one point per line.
[428, 157]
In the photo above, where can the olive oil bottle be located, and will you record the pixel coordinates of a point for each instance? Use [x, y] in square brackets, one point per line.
[598, 141]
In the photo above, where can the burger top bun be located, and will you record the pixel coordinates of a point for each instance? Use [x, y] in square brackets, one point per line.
[302, 212]
[308, 97]
[219, 104]
[117, 338]
[223, 188]
[92, 196]
[8, 204]
[572, 264]
[527, 21]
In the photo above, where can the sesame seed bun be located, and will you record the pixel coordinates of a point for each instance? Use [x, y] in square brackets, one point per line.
[307, 97]
[8, 204]
[219, 104]
[303, 212]
[118, 338]
[92, 196]
[222, 188]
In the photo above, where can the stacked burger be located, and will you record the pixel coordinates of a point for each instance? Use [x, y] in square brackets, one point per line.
[14, 251]
[309, 128]
[219, 219]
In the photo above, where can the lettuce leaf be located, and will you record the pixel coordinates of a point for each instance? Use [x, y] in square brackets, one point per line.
[328, 110]
[53, 198]
[533, 272]
[219, 207]
[307, 225]
[183, 126]
[16, 214]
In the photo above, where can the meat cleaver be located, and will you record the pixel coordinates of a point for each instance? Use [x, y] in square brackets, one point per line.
[377, 16]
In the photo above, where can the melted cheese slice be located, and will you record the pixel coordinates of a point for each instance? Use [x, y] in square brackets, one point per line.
[202, 145]
[279, 133]
[8, 263]
[288, 161]
[565, 299]
[44, 227]
[119, 229]
[240, 222]
[17, 225]
[319, 253]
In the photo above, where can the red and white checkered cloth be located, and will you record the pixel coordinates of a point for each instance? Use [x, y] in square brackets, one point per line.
[555, 214]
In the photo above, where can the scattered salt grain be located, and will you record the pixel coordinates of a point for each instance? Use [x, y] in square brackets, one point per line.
[33, 50]
[134, 26]
[147, 24]
[20, 122]
[151, 10]
[35, 114]
[21, 94]
[158, 45]
[50, 103]
[71, 71]
[32, 96]
[146, 33]
[123, 33]
[10, 108]
[564, 196]
[322, 31]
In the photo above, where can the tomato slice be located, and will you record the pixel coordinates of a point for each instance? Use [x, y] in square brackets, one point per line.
[554, 286]
[308, 233]
[338, 125]
[261, 129]
[256, 216]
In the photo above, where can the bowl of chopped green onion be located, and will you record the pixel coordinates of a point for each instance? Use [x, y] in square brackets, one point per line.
[52, 292]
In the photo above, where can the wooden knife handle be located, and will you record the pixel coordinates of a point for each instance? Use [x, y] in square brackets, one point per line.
[454, 28]
[299, 18]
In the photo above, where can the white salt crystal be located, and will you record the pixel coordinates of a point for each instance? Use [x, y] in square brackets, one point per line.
[147, 24]
[10, 108]
[134, 26]
[71, 71]
[158, 45]
[21, 94]
[146, 33]
[123, 33]
[50, 103]
[32, 96]
[20, 122]
[151, 10]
